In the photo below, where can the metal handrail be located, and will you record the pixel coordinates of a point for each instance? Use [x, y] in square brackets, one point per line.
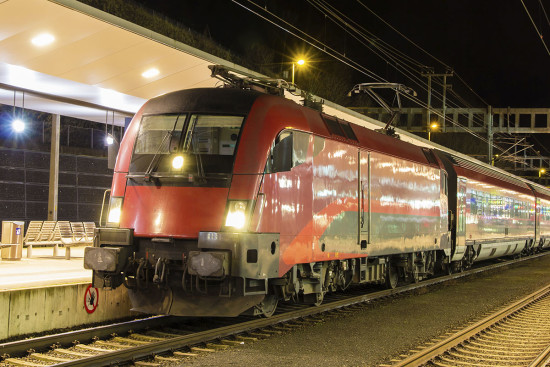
[103, 206]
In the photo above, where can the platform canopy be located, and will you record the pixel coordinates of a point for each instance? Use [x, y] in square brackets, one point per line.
[67, 58]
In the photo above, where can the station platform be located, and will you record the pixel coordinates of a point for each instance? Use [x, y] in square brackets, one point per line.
[43, 269]
[47, 293]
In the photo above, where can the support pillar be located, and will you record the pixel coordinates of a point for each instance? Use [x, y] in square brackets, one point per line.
[54, 169]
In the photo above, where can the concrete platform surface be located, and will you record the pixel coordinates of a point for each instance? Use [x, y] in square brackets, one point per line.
[43, 269]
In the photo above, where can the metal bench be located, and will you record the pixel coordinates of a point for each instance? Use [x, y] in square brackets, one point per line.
[72, 234]
[89, 228]
[58, 233]
[45, 236]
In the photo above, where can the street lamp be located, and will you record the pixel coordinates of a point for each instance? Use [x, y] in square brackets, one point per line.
[542, 171]
[299, 62]
[433, 126]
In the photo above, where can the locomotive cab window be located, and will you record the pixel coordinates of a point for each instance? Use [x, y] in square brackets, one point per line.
[199, 145]
[289, 150]
[159, 134]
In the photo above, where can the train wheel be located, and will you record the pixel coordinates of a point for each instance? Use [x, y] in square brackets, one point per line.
[319, 298]
[392, 276]
[415, 275]
[268, 306]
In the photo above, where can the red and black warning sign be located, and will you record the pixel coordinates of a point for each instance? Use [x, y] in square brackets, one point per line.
[91, 298]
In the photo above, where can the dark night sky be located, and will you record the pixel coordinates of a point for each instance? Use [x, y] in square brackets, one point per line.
[491, 44]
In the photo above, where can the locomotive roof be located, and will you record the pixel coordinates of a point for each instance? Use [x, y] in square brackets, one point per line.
[225, 100]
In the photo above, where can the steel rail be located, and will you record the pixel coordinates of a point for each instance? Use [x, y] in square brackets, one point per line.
[429, 353]
[83, 335]
[140, 352]
[542, 360]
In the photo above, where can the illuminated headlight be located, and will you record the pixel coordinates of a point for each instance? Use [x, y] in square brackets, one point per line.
[115, 209]
[236, 214]
[177, 162]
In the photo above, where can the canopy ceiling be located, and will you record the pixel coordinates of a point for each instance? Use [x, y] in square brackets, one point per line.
[94, 63]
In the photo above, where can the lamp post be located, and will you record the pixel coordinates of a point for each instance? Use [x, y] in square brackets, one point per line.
[542, 171]
[299, 62]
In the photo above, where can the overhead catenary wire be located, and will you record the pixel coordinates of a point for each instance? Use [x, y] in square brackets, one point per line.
[351, 27]
[339, 56]
[536, 28]
[383, 49]
[544, 11]
[357, 31]
[311, 41]
[348, 21]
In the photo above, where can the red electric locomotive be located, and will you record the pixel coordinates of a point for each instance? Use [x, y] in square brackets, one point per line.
[227, 200]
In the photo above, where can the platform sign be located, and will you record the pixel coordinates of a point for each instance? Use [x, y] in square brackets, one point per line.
[91, 298]
[18, 231]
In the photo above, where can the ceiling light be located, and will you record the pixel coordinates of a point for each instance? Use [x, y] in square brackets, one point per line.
[150, 73]
[43, 39]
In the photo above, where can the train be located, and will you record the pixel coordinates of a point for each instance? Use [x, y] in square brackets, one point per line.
[227, 201]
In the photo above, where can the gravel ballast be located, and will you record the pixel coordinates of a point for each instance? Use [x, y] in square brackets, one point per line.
[376, 333]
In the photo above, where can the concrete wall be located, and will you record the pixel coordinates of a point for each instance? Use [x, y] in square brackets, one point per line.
[35, 310]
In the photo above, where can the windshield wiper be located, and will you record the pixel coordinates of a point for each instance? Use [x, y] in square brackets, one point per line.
[155, 160]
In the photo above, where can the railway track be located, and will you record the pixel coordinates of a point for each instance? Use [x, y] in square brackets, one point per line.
[156, 340]
[518, 335]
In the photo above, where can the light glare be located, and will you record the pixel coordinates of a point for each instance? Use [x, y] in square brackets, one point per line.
[114, 215]
[301, 62]
[115, 210]
[236, 216]
[109, 140]
[150, 73]
[177, 162]
[43, 39]
[18, 125]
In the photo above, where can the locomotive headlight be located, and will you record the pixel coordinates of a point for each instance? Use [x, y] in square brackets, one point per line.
[236, 214]
[115, 209]
[177, 162]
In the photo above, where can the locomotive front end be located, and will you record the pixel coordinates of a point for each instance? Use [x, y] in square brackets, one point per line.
[170, 193]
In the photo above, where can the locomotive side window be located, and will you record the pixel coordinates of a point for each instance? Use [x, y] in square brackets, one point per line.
[289, 150]
[348, 130]
[333, 126]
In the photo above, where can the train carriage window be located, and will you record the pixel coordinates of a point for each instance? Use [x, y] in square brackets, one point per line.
[289, 150]
[333, 126]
